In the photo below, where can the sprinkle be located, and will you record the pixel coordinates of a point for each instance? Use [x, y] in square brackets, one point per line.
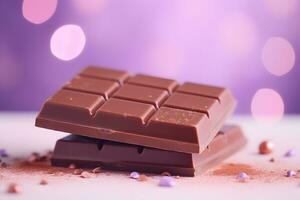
[13, 188]
[242, 177]
[166, 181]
[290, 173]
[43, 182]
[3, 153]
[77, 171]
[142, 178]
[72, 166]
[166, 174]
[97, 170]
[289, 153]
[134, 175]
[85, 174]
[266, 147]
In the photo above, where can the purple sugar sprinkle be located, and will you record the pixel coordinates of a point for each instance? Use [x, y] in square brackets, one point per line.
[289, 153]
[3, 153]
[290, 173]
[166, 181]
[134, 175]
[242, 177]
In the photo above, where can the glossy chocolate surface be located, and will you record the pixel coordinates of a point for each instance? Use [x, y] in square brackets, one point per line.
[144, 110]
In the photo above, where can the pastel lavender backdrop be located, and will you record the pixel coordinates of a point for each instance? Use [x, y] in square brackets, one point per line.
[172, 38]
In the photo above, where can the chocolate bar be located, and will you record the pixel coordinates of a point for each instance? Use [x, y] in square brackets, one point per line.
[86, 152]
[143, 110]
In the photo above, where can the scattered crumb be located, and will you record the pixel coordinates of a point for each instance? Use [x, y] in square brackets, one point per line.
[85, 174]
[72, 166]
[77, 171]
[166, 174]
[3, 164]
[142, 178]
[97, 170]
[43, 182]
[266, 147]
[272, 160]
[13, 188]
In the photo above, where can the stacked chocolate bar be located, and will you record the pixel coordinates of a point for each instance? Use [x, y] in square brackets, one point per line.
[140, 123]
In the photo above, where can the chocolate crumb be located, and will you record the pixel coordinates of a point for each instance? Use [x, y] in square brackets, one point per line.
[13, 188]
[34, 157]
[272, 160]
[77, 171]
[85, 174]
[266, 147]
[72, 166]
[143, 178]
[43, 182]
[166, 174]
[97, 170]
[3, 164]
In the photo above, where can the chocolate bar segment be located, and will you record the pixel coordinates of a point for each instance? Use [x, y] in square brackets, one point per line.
[75, 106]
[101, 87]
[142, 110]
[87, 152]
[155, 82]
[142, 94]
[104, 73]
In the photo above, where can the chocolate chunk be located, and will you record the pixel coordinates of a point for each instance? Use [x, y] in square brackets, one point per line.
[106, 74]
[154, 82]
[90, 153]
[143, 110]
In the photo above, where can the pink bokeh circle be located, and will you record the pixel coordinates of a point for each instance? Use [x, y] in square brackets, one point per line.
[267, 106]
[278, 56]
[67, 42]
[38, 11]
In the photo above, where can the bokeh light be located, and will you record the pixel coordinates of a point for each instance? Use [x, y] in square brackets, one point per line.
[281, 8]
[38, 11]
[267, 106]
[278, 56]
[89, 6]
[238, 34]
[67, 42]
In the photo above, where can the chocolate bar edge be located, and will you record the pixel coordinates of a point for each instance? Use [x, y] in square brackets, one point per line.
[207, 162]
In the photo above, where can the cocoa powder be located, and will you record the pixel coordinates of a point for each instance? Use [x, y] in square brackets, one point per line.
[232, 169]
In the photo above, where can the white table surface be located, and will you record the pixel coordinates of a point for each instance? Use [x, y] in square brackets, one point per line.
[20, 138]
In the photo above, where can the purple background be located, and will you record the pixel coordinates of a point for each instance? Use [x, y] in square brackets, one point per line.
[166, 38]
